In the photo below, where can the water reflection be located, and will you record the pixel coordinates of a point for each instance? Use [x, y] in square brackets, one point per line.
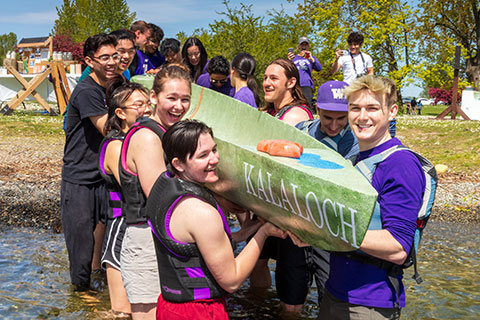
[34, 280]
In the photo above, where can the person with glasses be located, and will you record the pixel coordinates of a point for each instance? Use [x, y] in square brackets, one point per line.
[217, 76]
[195, 57]
[141, 162]
[150, 59]
[143, 32]
[83, 193]
[126, 103]
[125, 48]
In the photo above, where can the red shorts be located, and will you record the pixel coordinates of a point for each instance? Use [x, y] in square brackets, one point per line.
[200, 309]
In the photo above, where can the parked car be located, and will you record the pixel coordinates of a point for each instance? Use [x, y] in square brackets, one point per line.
[426, 102]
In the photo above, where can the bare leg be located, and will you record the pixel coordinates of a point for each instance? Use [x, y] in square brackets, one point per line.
[116, 290]
[260, 277]
[144, 311]
[98, 236]
[288, 311]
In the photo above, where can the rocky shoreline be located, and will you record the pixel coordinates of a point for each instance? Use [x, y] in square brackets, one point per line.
[30, 187]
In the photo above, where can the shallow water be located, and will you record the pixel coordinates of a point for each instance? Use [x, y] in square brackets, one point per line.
[34, 280]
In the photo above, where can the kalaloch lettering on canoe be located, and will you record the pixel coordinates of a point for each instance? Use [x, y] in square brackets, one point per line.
[319, 211]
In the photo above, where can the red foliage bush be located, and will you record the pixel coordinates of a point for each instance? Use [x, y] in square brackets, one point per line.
[440, 94]
[65, 43]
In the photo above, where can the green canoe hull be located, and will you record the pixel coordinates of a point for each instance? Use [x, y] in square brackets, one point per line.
[320, 197]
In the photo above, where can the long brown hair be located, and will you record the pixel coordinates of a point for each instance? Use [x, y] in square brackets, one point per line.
[291, 71]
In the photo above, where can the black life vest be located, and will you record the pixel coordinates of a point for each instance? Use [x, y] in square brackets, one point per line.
[133, 205]
[184, 275]
[113, 188]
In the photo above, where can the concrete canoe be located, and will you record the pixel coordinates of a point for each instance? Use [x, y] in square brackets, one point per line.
[320, 197]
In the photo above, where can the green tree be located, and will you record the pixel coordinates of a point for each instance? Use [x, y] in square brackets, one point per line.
[443, 24]
[83, 18]
[7, 42]
[386, 25]
[241, 30]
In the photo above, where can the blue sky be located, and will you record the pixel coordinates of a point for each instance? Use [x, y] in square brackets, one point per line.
[35, 18]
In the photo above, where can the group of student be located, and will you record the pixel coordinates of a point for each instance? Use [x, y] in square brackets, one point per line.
[168, 249]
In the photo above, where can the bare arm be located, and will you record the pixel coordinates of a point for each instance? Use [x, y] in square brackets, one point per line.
[381, 244]
[99, 122]
[370, 70]
[336, 65]
[213, 242]
[145, 157]
[295, 115]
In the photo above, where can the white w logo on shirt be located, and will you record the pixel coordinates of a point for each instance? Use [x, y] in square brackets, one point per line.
[337, 93]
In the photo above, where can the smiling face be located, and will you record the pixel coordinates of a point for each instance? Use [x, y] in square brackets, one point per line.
[304, 46]
[151, 47]
[172, 102]
[193, 54]
[201, 166]
[332, 122]
[369, 118]
[354, 47]
[276, 86]
[102, 71]
[126, 49]
[174, 57]
[141, 38]
[136, 106]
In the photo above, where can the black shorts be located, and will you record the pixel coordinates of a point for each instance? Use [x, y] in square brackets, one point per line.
[81, 209]
[270, 248]
[292, 276]
[112, 244]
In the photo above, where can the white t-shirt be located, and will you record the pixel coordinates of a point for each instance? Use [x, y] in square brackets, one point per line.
[361, 67]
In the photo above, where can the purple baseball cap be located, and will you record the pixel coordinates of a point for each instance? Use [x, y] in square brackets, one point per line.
[330, 96]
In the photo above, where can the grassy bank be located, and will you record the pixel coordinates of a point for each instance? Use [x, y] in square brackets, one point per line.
[452, 143]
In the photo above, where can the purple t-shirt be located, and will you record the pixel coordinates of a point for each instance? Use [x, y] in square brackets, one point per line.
[400, 183]
[305, 67]
[246, 95]
[204, 81]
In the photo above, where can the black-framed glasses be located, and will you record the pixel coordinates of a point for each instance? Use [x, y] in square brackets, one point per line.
[213, 81]
[129, 51]
[106, 57]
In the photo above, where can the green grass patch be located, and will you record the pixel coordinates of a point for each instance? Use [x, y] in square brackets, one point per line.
[454, 143]
[30, 124]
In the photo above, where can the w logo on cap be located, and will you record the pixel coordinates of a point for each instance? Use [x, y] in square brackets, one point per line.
[337, 93]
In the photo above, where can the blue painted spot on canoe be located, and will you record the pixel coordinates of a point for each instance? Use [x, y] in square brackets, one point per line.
[315, 161]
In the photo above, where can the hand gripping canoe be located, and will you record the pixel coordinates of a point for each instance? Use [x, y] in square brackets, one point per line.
[320, 197]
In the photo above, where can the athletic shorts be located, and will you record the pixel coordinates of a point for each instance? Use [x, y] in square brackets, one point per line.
[139, 267]
[336, 309]
[292, 275]
[270, 248]
[206, 309]
[112, 244]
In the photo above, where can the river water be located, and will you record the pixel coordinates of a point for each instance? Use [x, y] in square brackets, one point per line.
[34, 280]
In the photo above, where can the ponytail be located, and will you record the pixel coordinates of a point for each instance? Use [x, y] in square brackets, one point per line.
[244, 64]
